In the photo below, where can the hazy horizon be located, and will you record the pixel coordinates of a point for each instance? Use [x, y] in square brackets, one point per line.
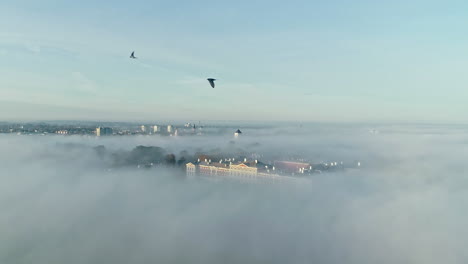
[234, 123]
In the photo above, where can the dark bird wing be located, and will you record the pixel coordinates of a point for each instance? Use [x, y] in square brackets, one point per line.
[132, 55]
[212, 82]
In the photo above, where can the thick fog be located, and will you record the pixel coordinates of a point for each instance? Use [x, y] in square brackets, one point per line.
[61, 202]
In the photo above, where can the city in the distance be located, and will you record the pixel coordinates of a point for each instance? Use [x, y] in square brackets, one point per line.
[243, 164]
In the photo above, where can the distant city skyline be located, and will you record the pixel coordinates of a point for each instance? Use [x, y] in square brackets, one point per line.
[301, 61]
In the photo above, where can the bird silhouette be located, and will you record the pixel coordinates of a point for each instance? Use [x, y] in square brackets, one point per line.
[132, 56]
[211, 80]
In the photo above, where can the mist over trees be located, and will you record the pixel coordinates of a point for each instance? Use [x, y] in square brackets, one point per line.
[82, 200]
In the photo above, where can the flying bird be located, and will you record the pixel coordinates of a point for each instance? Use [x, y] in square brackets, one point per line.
[132, 56]
[211, 80]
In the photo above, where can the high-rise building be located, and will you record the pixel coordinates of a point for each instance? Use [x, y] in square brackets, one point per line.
[155, 129]
[143, 128]
[103, 131]
[170, 128]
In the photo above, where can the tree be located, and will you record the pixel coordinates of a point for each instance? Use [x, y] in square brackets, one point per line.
[181, 162]
[145, 155]
[170, 159]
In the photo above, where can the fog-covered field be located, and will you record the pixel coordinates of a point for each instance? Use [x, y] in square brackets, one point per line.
[59, 202]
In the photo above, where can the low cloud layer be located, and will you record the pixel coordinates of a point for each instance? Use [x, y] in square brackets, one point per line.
[62, 204]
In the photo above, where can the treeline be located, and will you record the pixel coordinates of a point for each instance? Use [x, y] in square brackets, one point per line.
[147, 156]
[150, 156]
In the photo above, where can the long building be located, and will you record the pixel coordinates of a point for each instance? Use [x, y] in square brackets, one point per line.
[291, 167]
[247, 170]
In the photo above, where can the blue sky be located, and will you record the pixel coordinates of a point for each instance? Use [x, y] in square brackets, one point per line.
[337, 61]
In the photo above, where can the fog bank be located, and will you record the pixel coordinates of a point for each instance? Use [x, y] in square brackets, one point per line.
[62, 204]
